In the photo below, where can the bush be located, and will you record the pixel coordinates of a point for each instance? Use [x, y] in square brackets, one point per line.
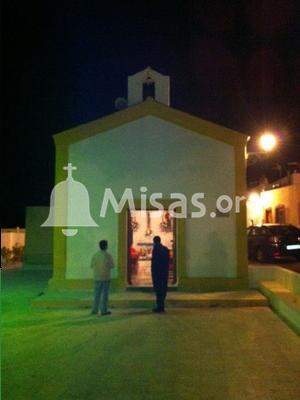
[17, 252]
[6, 255]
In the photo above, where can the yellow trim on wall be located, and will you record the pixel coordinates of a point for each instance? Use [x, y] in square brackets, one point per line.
[121, 281]
[151, 107]
[59, 240]
[241, 217]
[57, 284]
[122, 249]
[193, 284]
[214, 284]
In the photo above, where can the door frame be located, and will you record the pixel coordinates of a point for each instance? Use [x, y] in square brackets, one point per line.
[121, 281]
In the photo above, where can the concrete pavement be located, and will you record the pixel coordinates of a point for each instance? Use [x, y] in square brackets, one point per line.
[205, 353]
[221, 353]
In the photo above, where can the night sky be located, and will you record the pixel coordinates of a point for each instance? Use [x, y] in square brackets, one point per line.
[236, 63]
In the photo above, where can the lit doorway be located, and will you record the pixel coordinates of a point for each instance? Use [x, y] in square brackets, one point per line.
[142, 226]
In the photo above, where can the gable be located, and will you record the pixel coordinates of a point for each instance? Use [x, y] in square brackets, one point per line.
[151, 107]
[140, 150]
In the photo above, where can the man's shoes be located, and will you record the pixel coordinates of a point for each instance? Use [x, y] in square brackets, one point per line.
[158, 310]
[106, 313]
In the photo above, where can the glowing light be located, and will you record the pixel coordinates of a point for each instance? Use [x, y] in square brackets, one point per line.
[254, 198]
[266, 198]
[255, 208]
[268, 141]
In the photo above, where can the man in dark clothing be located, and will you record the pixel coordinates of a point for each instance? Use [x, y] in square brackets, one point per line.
[160, 273]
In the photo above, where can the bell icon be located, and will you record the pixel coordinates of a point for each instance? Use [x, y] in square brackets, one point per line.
[69, 205]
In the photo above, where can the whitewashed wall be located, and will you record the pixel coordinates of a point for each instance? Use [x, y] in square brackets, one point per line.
[165, 158]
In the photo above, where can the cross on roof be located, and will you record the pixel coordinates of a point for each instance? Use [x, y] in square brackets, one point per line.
[69, 168]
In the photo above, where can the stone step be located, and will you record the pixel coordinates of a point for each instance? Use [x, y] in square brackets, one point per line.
[139, 299]
[284, 301]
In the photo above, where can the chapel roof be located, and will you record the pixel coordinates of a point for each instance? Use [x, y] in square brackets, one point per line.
[150, 107]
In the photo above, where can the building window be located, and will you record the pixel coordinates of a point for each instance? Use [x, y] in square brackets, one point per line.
[148, 90]
[280, 214]
[268, 216]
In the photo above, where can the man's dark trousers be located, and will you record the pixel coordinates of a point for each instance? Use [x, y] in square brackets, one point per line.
[160, 272]
[161, 292]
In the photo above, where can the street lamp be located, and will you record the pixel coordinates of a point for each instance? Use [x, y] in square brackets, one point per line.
[268, 142]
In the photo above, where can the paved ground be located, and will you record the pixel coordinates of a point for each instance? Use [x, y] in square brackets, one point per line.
[213, 353]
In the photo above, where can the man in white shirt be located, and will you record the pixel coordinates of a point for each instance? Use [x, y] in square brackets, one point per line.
[102, 263]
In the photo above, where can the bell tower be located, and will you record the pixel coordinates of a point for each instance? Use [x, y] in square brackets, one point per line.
[148, 83]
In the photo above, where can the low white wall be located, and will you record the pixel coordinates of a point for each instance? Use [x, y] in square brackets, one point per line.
[288, 279]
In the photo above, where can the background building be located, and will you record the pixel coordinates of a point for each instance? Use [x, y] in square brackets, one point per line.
[278, 202]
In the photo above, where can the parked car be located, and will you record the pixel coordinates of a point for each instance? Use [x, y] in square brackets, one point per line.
[273, 241]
